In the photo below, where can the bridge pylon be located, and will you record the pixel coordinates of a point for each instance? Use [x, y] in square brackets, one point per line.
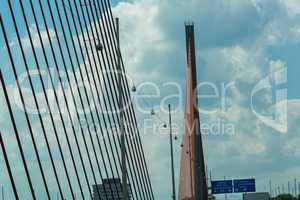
[193, 185]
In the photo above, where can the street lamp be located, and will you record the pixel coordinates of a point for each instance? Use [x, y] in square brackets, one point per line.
[172, 154]
[99, 47]
[122, 126]
[171, 149]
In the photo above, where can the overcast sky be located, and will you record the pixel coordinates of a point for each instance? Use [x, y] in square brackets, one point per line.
[247, 63]
[240, 44]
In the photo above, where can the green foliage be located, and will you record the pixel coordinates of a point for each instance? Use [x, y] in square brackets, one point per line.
[286, 197]
[211, 197]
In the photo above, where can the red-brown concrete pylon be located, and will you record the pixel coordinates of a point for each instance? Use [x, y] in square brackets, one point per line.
[193, 184]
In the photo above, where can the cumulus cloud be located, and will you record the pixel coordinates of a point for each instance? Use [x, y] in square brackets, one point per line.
[292, 7]
[233, 40]
[35, 38]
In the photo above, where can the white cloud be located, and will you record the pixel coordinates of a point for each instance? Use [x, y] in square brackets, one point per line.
[232, 39]
[35, 38]
[292, 7]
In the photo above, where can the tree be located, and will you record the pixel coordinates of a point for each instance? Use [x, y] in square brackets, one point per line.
[211, 197]
[285, 197]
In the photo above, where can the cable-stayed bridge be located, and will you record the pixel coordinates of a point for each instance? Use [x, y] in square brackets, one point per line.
[80, 129]
[71, 130]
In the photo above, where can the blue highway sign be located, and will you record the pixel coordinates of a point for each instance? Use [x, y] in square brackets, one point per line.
[221, 187]
[244, 185]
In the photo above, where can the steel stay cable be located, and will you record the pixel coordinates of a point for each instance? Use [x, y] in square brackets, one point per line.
[11, 178]
[71, 89]
[91, 92]
[93, 146]
[139, 145]
[82, 132]
[93, 74]
[126, 82]
[48, 105]
[68, 51]
[34, 143]
[60, 81]
[97, 113]
[70, 150]
[111, 42]
[8, 165]
[94, 37]
[78, 40]
[92, 68]
[116, 167]
[24, 106]
[84, 39]
[132, 110]
[107, 56]
[114, 84]
[124, 86]
[51, 116]
[12, 116]
[57, 101]
[102, 55]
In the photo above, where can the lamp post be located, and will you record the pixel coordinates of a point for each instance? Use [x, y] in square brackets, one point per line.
[172, 155]
[122, 128]
[295, 182]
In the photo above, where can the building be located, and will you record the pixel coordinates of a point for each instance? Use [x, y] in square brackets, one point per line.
[110, 189]
[256, 196]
